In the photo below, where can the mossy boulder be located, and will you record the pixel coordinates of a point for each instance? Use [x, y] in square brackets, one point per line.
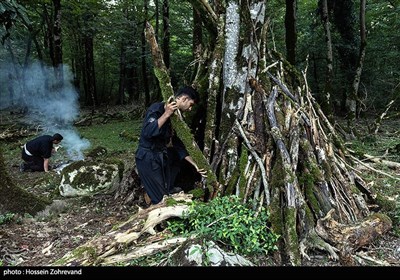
[86, 178]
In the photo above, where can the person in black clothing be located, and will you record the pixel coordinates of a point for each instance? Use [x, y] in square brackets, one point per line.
[160, 151]
[37, 152]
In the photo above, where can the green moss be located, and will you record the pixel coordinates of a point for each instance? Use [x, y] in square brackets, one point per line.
[315, 171]
[197, 193]
[275, 206]
[78, 253]
[244, 157]
[327, 168]
[382, 217]
[291, 238]
[89, 176]
[97, 152]
[386, 204]
[232, 181]
[170, 201]
[76, 165]
[119, 163]
[15, 199]
[307, 180]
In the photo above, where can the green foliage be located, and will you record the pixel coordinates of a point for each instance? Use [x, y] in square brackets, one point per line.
[227, 220]
[6, 218]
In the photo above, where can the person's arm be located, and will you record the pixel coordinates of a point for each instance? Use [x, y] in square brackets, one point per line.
[46, 165]
[202, 172]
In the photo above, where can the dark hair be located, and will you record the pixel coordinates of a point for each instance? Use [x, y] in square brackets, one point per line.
[190, 92]
[57, 137]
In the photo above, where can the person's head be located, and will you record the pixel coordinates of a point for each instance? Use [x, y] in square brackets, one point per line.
[57, 138]
[186, 97]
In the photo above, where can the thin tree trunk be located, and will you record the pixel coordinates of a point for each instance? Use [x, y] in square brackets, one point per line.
[58, 59]
[166, 34]
[328, 91]
[90, 71]
[144, 65]
[122, 74]
[355, 101]
[291, 34]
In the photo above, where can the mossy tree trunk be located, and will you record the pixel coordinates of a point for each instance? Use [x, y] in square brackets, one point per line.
[14, 199]
[267, 140]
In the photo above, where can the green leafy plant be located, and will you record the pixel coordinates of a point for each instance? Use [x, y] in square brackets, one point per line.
[227, 220]
[6, 218]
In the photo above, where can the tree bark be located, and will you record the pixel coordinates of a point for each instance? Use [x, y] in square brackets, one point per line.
[14, 199]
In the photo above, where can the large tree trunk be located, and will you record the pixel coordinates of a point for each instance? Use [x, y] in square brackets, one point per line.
[14, 199]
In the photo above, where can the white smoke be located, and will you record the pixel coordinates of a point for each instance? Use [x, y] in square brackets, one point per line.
[48, 105]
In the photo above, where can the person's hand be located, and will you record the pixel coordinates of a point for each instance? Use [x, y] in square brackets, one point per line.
[171, 107]
[202, 172]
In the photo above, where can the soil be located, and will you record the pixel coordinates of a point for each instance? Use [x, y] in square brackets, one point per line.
[70, 222]
[66, 224]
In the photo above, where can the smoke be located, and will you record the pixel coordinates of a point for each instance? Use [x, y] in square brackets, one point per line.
[51, 106]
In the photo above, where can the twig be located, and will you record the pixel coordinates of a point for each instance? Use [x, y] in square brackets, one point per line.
[373, 169]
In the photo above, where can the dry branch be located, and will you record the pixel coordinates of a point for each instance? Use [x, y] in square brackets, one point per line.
[347, 238]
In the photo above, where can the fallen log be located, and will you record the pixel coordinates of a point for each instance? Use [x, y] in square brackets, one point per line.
[122, 242]
[348, 238]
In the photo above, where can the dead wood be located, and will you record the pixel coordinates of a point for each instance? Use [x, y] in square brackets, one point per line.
[347, 238]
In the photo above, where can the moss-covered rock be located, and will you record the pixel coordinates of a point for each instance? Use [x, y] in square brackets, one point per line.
[83, 178]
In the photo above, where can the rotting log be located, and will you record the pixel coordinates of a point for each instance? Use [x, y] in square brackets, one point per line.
[347, 238]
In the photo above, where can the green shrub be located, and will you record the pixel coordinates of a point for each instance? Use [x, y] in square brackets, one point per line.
[6, 218]
[227, 220]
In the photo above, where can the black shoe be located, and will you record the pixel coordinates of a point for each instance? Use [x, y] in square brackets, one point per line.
[22, 167]
[175, 190]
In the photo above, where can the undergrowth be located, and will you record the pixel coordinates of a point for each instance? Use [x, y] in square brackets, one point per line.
[229, 222]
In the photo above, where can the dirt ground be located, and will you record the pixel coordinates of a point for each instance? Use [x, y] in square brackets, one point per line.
[70, 222]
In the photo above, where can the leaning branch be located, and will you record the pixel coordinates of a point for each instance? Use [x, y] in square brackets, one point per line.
[181, 128]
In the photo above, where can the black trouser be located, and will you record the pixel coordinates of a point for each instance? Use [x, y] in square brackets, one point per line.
[33, 163]
[157, 171]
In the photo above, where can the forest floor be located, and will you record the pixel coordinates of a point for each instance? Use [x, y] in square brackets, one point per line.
[43, 239]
